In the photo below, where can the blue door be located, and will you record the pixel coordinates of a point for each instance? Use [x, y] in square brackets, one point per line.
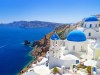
[89, 34]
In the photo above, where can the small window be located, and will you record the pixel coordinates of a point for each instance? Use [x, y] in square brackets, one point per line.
[90, 25]
[63, 43]
[74, 48]
[81, 48]
[77, 61]
[85, 25]
[89, 34]
[96, 25]
[56, 42]
[53, 43]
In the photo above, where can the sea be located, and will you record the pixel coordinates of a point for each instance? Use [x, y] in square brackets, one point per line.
[14, 56]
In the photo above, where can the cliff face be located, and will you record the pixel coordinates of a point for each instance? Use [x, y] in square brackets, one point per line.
[42, 46]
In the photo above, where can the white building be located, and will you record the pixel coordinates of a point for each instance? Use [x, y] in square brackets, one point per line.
[91, 26]
[75, 43]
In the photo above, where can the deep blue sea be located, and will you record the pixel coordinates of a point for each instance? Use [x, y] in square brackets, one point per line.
[13, 54]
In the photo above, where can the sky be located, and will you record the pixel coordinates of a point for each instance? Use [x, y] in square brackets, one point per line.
[60, 11]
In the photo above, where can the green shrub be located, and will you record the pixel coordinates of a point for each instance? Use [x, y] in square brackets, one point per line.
[55, 70]
[89, 69]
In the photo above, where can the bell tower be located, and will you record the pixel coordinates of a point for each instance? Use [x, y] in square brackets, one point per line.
[54, 50]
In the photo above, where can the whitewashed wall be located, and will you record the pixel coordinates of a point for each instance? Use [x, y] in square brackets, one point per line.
[94, 23]
[92, 31]
[55, 62]
[55, 52]
[79, 46]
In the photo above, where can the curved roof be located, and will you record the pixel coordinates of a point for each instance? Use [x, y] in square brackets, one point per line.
[91, 18]
[76, 36]
[55, 37]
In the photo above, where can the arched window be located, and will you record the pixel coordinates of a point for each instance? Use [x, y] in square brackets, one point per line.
[85, 25]
[89, 34]
[63, 43]
[73, 48]
[53, 43]
[77, 61]
[90, 25]
[81, 48]
[96, 25]
[56, 43]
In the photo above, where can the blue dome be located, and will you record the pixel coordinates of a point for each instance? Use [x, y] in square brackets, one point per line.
[91, 18]
[55, 37]
[76, 35]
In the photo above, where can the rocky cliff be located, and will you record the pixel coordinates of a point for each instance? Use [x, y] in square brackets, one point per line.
[42, 46]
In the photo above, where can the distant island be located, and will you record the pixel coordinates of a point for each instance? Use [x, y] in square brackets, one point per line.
[37, 24]
[33, 24]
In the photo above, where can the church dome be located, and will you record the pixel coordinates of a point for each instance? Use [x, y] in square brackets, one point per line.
[91, 18]
[55, 37]
[76, 36]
